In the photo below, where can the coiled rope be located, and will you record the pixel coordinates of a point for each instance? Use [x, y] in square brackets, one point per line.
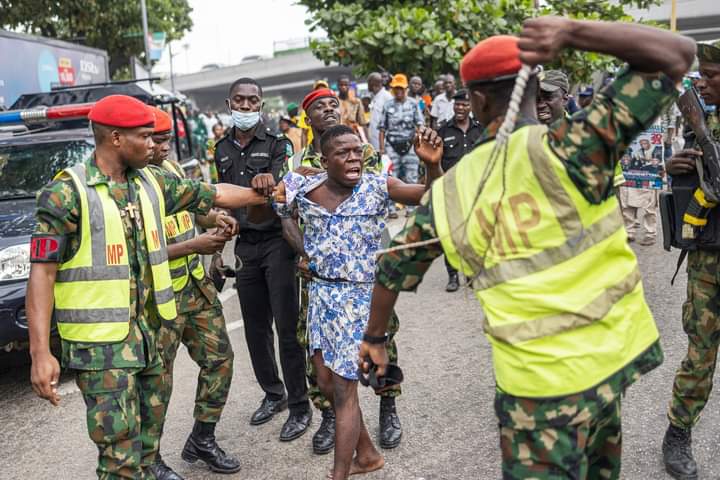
[499, 150]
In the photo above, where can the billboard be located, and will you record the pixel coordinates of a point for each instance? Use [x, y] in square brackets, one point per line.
[30, 64]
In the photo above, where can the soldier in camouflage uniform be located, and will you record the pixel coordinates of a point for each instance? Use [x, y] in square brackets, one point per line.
[700, 316]
[323, 113]
[120, 381]
[200, 324]
[576, 435]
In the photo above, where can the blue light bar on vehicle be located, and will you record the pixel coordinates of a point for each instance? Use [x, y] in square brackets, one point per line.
[64, 112]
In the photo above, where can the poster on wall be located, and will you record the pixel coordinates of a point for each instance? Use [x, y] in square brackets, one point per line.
[643, 163]
[30, 64]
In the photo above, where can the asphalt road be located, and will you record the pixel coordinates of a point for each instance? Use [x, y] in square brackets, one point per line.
[446, 407]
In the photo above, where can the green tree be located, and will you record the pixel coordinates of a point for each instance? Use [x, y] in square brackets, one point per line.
[115, 26]
[430, 37]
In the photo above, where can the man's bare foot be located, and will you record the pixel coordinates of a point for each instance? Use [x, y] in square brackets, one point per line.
[366, 465]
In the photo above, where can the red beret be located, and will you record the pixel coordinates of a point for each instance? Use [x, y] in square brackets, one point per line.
[315, 95]
[163, 122]
[494, 57]
[121, 111]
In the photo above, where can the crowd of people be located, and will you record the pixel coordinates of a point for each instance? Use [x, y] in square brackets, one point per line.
[526, 212]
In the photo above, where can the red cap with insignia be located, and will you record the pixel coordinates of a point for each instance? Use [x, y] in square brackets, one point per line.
[495, 58]
[121, 111]
[315, 95]
[163, 122]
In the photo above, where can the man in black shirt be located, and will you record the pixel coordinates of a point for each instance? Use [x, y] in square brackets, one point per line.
[251, 155]
[459, 135]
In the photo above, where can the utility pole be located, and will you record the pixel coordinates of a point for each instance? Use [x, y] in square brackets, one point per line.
[172, 75]
[146, 39]
[673, 15]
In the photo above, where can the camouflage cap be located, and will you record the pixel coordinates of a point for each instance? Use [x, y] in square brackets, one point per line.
[551, 80]
[708, 53]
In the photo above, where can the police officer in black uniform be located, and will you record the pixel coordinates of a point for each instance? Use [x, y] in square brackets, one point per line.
[251, 155]
[459, 135]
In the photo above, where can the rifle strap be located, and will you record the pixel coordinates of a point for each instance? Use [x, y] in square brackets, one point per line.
[681, 259]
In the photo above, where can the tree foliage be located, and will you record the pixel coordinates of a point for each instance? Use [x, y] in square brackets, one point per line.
[430, 37]
[115, 26]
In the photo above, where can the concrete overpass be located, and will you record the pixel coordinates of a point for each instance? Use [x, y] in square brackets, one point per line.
[289, 75]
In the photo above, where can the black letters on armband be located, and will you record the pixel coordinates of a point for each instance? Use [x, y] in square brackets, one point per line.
[46, 248]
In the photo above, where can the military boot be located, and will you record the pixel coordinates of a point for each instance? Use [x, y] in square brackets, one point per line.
[390, 428]
[324, 439]
[201, 445]
[162, 471]
[677, 454]
[453, 283]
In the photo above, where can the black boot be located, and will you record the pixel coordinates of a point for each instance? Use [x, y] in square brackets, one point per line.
[324, 438]
[390, 428]
[453, 283]
[162, 471]
[677, 454]
[201, 445]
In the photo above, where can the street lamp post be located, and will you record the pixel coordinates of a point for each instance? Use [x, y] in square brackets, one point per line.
[146, 40]
[172, 75]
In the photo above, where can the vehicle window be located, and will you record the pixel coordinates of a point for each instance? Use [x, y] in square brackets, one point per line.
[25, 169]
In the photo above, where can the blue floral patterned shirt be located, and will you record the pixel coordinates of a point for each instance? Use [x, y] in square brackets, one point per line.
[341, 244]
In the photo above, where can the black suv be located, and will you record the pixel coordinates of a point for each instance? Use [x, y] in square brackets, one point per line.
[30, 156]
[27, 162]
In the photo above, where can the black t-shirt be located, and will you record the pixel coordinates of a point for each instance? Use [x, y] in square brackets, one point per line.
[265, 153]
[457, 143]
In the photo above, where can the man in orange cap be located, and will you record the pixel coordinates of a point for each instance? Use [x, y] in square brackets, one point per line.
[400, 117]
[535, 226]
[100, 268]
[200, 324]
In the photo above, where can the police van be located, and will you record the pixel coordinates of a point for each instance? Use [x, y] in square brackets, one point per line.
[40, 135]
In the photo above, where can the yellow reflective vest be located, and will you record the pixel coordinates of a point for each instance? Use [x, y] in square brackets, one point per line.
[559, 285]
[179, 228]
[92, 289]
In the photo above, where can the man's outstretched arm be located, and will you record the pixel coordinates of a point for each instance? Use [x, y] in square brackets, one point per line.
[645, 49]
[402, 270]
[233, 196]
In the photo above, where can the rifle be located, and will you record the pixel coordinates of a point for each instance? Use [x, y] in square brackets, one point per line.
[709, 166]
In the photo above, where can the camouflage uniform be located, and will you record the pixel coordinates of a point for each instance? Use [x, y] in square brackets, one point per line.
[574, 436]
[120, 382]
[371, 162]
[200, 326]
[701, 322]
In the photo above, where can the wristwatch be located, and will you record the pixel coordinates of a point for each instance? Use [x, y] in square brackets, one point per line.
[373, 340]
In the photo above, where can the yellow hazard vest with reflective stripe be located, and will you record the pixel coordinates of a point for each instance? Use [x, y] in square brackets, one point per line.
[559, 285]
[179, 228]
[92, 289]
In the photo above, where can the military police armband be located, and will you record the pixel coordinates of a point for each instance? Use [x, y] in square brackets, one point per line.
[46, 248]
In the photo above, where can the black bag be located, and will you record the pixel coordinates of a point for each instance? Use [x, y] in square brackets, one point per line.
[667, 220]
[673, 206]
[401, 147]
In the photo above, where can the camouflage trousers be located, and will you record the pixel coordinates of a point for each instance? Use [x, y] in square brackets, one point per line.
[701, 322]
[559, 439]
[124, 413]
[200, 326]
[318, 399]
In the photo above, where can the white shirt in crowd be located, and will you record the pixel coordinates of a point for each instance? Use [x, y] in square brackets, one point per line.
[442, 108]
[376, 111]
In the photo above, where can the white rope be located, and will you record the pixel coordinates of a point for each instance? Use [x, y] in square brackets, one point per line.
[407, 246]
[501, 139]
